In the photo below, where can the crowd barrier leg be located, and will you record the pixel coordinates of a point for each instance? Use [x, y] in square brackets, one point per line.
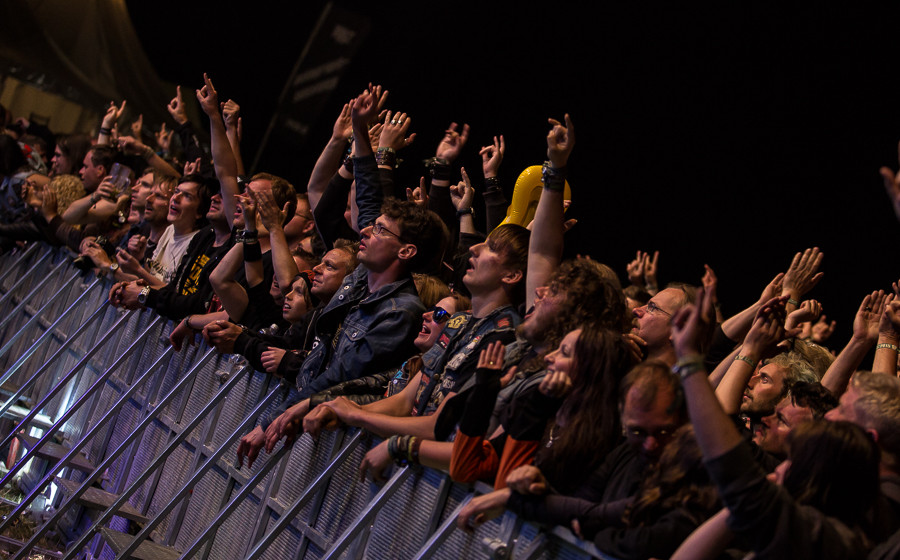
[36, 375]
[160, 460]
[307, 495]
[97, 472]
[40, 313]
[60, 385]
[48, 435]
[188, 486]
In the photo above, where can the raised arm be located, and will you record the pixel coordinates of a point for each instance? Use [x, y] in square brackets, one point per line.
[369, 194]
[888, 337]
[802, 276]
[234, 130]
[273, 219]
[330, 159]
[765, 334]
[108, 124]
[865, 333]
[546, 241]
[224, 162]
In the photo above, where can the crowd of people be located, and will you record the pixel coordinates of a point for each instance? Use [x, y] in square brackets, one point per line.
[638, 417]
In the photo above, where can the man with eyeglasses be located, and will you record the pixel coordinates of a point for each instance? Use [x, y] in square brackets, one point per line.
[371, 322]
[652, 409]
[654, 321]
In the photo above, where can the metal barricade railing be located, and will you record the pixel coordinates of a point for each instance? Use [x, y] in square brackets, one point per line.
[162, 428]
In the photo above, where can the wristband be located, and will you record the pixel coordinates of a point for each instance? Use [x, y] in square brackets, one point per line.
[463, 211]
[792, 301]
[554, 179]
[439, 168]
[386, 156]
[142, 297]
[491, 183]
[886, 345]
[246, 236]
[105, 131]
[750, 361]
[414, 446]
[148, 152]
[688, 366]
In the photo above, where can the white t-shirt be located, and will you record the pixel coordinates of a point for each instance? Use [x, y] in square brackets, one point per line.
[168, 253]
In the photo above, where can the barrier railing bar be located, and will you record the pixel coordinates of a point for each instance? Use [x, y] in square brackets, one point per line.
[316, 508]
[14, 266]
[19, 261]
[60, 385]
[134, 435]
[368, 513]
[157, 462]
[443, 531]
[323, 478]
[36, 375]
[198, 456]
[40, 285]
[24, 277]
[39, 313]
[188, 486]
[439, 504]
[56, 468]
[224, 514]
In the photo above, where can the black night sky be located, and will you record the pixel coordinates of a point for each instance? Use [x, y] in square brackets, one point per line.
[729, 136]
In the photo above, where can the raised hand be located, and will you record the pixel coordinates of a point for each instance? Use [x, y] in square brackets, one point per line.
[809, 311]
[364, 110]
[191, 167]
[767, 330]
[272, 217]
[393, 133]
[343, 127]
[113, 114]
[231, 113]
[452, 142]
[248, 209]
[492, 157]
[462, 194]
[635, 270]
[163, 138]
[868, 316]
[803, 274]
[651, 266]
[892, 185]
[176, 107]
[822, 330]
[208, 98]
[419, 195]
[491, 358]
[560, 141]
[692, 325]
[137, 127]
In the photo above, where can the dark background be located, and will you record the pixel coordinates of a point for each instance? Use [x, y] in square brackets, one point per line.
[733, 137]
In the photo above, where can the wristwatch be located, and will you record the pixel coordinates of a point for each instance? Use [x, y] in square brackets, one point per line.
[142, 297]
[114, 267]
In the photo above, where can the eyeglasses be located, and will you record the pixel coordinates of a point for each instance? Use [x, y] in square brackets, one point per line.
[439, 314]
[377, 229]
[641, 434]
[653, 308]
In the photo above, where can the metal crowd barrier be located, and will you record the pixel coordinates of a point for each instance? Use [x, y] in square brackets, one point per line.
[121, 446]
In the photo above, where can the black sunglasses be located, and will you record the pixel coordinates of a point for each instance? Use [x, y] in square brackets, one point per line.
[439, 314]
